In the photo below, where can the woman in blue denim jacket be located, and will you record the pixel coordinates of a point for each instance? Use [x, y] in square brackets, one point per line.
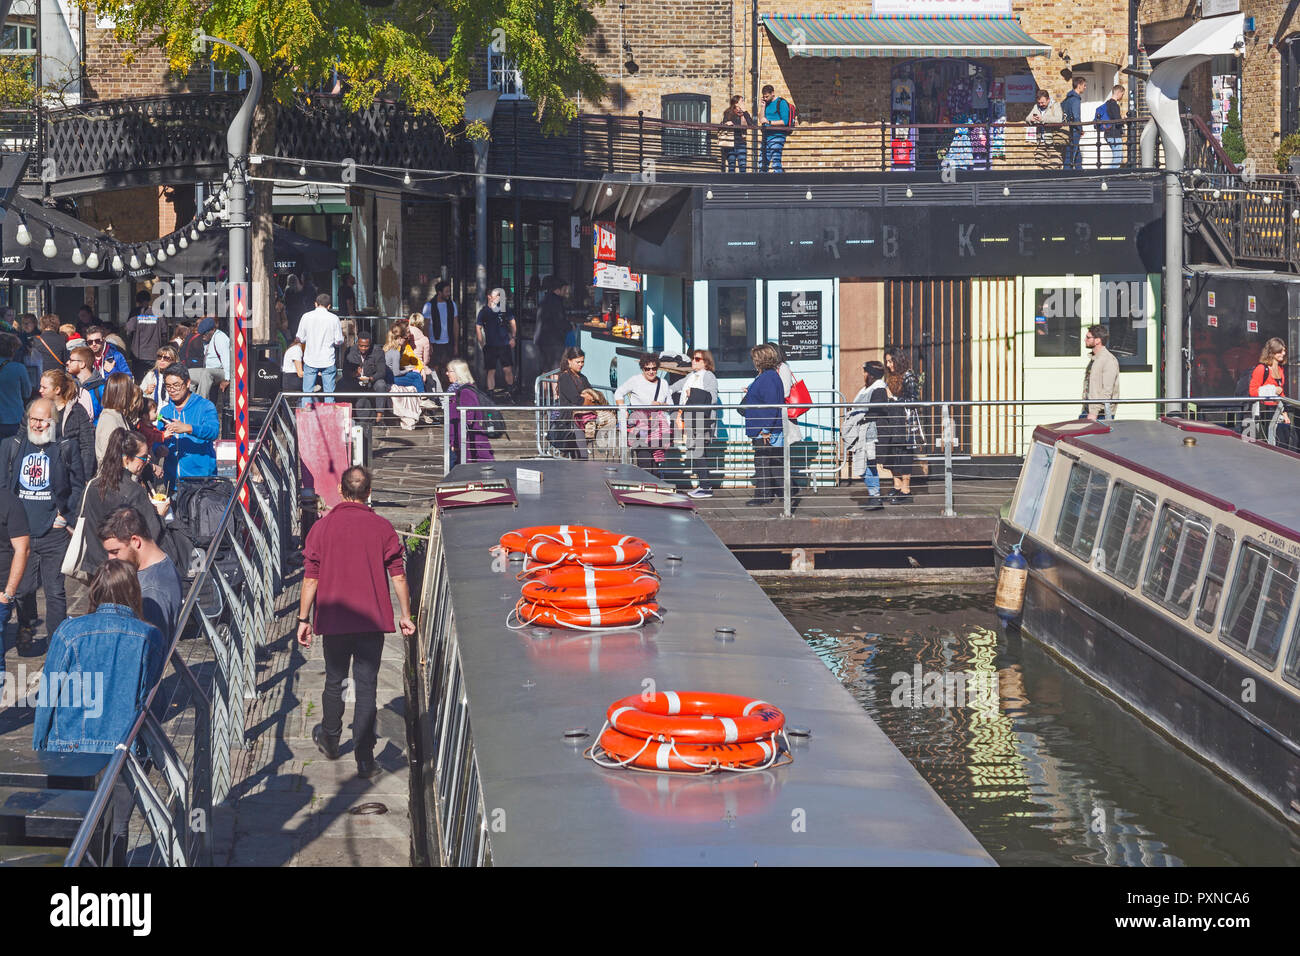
[764, 426]
[99, 668]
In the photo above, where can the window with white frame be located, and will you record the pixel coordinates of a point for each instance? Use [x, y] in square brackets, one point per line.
[504, 75]
[226, 82]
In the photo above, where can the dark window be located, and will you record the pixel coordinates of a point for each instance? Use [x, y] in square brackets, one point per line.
[1215, 575]
[1290, 85]
[1081, 511]
[1124, 309]
[1259, 603]
[1058, 322]
[685, 108]
[735, 327]
[1128, 528]
[1175, 564]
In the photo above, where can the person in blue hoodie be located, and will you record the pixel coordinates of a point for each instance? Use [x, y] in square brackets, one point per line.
[1072, 111]
[763, 425]
[190, 428]
[776, 126]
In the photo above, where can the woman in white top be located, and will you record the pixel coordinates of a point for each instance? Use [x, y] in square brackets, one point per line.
[648, 432]
[291, 368]
[152, 383]
[698, 388]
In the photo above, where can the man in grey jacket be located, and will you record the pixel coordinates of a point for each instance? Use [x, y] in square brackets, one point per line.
[1101, 378]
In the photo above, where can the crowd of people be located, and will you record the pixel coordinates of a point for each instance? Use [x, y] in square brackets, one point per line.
[97, 427]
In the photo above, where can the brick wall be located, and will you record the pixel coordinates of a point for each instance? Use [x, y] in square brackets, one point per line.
[109, 76]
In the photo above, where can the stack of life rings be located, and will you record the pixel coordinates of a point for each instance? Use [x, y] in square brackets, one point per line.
[691, 732]
[583, 578]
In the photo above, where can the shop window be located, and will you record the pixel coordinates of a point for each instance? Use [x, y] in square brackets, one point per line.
[538, 262]
[930, 96]
[1215, 575]
[735, 327]
[1057, 322]
[1175, 564]
[227, 82]
[1076, 530]
[1124, 309]
[504, 76]
[1128, 528]
[685, 108]
[1259, 603]
[1033, 480]
[1290, 85]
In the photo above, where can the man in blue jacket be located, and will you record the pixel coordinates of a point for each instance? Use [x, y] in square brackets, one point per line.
[776, 126]
[1072, 111]
[190, 428]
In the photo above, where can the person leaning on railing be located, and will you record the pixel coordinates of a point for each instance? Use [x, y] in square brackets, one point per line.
[1052, 137]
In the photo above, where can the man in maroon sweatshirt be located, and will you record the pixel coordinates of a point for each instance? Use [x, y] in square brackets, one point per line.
[348, 559]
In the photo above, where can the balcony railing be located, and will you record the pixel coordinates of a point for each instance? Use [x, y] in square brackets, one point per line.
[644, 144]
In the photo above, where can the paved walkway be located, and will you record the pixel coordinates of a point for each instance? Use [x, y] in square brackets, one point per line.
[288, 805]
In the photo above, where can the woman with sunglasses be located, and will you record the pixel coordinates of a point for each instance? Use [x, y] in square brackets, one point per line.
[699, 388]
[117, 484]
[648, 430]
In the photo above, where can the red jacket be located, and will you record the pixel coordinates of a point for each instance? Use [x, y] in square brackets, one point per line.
[1263, 375]
[352, 552]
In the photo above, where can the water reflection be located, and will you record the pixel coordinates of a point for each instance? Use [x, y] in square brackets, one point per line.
[1042, 767]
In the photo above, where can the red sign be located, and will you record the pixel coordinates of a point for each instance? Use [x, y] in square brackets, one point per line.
[1214, 321]
[603, 241]
[1252, 325]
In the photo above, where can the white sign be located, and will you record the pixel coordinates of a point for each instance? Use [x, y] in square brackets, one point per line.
[1213, 8]
[918, 8]
[1020, 88]
[575, 232]
[606, 275]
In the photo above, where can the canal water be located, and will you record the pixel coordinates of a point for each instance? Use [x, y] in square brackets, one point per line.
[1040, 765]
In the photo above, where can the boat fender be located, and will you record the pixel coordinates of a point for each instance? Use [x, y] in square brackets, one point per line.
[1009, 601]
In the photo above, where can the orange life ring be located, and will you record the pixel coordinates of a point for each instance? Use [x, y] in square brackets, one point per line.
[686, 758]
[694, 717]
[588, 546]
[591, 587]
[518, 539]
[635, 614]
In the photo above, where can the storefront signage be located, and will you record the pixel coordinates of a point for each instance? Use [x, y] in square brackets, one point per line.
[941, 8]
[606, 275]
[799, 324]
[602, 235]
[1020, 88]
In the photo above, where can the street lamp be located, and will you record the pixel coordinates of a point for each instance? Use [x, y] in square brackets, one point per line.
[237, 143]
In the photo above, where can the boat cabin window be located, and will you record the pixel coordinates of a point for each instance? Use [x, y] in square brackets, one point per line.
[1215, 575]
[1259, 603]
[1128, 528]
[1081, 511]
[1029, 502]
[1175, 565]
[1292, 669]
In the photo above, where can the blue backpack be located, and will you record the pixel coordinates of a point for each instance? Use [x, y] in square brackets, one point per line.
[1102, 119]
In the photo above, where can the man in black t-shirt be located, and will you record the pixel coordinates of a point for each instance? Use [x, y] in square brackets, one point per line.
[15, 544]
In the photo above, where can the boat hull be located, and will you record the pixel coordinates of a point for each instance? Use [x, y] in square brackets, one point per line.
[1200, 696]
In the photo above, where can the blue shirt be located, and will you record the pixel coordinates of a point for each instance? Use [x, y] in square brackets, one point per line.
[97, 673]
[777, 112]
[15, 389]
[192, 455]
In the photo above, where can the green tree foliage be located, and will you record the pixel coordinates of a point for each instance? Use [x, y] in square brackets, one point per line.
[1234, 144]
[16, 89]
[421, 53]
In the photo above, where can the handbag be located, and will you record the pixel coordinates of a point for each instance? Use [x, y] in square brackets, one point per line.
[560, 431]
[799, 395]
[77, 546]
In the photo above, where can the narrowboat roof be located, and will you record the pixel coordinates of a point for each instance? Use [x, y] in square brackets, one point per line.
[524, 688]
[1208, 462]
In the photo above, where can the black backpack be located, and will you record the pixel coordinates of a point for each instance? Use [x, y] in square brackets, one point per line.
[200, 503]
[494, 423]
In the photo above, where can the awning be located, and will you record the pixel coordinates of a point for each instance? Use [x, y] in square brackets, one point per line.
[1212, 37]
[832, 34]
[207, 256]
[29, 261]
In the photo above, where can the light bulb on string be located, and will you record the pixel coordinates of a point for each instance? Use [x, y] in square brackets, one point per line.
[77, 257]
[1006, 190]
[162, 254]
[171, 248]
[134, 261]
[203, 224]
[49, 250]
[194, 232]
[406, 179]
[302, 170]
[1295, 213]
[808, 194]
[1268, 200]
[92, 260]
[148, 256]
[507, 186]
[22, 235]
[609, 190]
[117, 262]
[707, 195]
[909, 192]
[183, 242]
[1104, 185]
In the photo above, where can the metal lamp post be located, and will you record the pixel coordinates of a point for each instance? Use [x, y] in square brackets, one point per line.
[238, 138]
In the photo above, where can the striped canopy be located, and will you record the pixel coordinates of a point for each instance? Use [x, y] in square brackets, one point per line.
[832, 34]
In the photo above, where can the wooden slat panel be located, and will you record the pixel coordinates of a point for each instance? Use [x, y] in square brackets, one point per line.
[930, 319]
[995, 354]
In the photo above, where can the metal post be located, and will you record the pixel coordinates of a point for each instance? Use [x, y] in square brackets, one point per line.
[753, 73]
[446, 433]
[948, 433]
[238, 137]
[463, 453]
[785, 477]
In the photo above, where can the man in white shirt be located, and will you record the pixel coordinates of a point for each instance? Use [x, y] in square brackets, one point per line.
[321, 334]
[440, 314]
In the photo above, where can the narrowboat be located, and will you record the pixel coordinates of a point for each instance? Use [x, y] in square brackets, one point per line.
[1162, 563]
